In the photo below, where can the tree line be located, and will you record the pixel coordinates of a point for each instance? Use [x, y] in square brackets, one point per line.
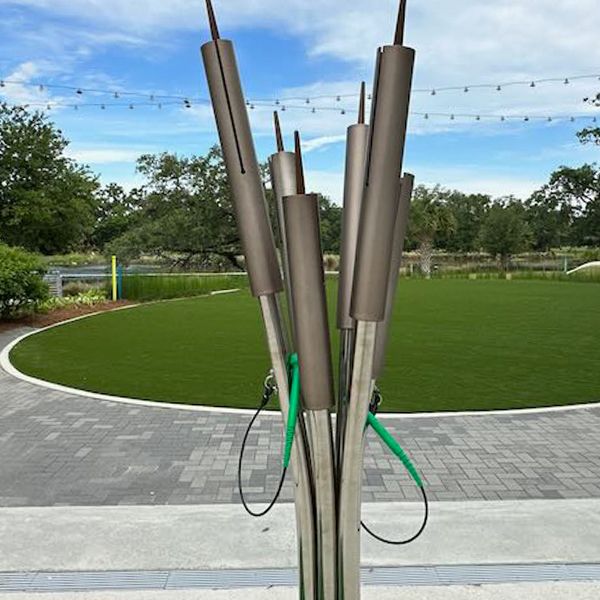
[183, 211]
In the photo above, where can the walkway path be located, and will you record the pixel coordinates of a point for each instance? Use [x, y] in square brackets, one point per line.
[62, 449]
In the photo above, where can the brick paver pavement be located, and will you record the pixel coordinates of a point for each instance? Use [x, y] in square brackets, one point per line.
[62, 449]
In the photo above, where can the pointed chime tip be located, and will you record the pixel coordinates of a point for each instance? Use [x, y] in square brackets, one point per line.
[278, 136]
[212, 21]
[361, 105]
[300, 187]
[399, 37]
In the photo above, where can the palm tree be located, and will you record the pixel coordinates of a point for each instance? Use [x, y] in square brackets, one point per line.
[429, 216]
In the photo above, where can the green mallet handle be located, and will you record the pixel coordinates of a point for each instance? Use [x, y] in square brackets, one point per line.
[293, 410]
[394, 446]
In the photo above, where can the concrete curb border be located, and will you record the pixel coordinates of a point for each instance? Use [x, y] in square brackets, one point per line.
[7, 366]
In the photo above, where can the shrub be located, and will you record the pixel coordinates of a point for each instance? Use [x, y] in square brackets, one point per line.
[22, 285]
[89, 298]
[75, 288]
[161, 287]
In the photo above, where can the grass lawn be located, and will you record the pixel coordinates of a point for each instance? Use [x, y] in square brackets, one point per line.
[455, 345]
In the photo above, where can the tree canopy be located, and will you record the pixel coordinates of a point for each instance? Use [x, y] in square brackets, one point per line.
[505, 231]
[46, 200]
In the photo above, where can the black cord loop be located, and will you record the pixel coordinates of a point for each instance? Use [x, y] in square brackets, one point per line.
[269, 390]
[376, 401]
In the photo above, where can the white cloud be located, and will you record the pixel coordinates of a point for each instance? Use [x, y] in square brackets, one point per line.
[322, 142]
[475, 180]
[105, 156]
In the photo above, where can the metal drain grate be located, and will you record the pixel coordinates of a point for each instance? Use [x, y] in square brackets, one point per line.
[79, 581]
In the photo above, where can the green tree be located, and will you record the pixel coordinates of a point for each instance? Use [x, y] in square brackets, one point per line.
[46, 200]
[589, 135]
[468, 211]
[549, 218]
[505, 231]
[116, 213]
[184, 208]
[573, 193]
[331, 225]
[430, 217]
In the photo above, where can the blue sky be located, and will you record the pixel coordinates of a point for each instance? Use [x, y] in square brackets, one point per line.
[322, 47]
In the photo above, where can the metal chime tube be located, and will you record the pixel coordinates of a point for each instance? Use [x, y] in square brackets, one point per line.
[307, 279]
[261, 261]
[383, 327]
[389, 114]
[282, 167]
[356, 152]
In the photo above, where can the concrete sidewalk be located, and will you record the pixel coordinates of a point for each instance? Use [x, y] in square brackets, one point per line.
[224, 537]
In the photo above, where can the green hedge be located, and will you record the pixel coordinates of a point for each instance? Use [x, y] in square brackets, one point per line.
[163, 287]
[22, 285]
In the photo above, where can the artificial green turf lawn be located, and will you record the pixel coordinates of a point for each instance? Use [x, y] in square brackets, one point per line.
[455, 345]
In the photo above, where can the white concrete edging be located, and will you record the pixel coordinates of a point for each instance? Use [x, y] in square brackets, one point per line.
[13, 371]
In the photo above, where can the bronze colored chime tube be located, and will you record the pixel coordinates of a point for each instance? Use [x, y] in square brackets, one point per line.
[383, 327]
[261, 263]
[282, 167]
[356, 152]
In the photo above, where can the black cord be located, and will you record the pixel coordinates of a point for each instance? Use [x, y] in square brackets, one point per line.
[269, 390]
[376, 400]
[408, 540]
